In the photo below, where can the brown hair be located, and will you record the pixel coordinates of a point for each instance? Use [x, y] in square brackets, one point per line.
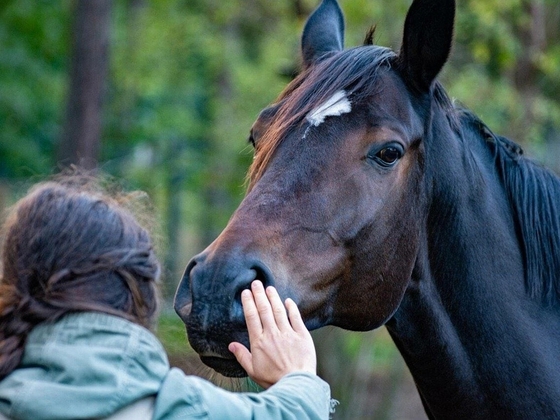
[69, 248]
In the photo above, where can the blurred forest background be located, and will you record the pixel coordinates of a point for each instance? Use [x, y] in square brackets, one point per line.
[161, 95]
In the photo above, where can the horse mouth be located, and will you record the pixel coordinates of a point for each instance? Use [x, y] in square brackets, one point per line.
[224, 366]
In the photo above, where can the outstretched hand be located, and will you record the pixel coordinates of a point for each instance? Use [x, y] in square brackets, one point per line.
[280, 342]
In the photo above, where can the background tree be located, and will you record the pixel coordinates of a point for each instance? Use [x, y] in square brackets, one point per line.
[82, 129]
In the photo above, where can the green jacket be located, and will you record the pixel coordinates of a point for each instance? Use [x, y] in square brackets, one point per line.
[90, 365]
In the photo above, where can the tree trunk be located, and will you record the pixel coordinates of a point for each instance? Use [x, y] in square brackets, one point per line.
[176, 174]
[533, 38]
[81, 137]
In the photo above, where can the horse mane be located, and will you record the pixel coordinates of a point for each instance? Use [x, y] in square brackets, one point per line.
[353, 70]
[534, 196]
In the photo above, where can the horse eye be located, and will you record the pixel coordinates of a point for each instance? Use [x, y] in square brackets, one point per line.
[388, 156]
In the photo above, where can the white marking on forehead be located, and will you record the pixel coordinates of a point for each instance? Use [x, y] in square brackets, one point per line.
[337, 105]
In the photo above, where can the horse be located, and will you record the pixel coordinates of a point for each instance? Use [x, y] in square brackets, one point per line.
[373, 199]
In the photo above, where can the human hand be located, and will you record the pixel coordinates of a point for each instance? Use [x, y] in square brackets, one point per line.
[280, 342]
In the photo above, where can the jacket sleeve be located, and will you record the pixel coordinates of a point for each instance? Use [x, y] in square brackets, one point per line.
[297, 396]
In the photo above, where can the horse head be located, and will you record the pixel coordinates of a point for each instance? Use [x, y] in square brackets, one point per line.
[336, 199]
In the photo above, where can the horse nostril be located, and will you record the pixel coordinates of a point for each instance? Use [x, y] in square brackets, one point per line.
[243, 281]
[263, 274]
[183, 297]
[256, 272]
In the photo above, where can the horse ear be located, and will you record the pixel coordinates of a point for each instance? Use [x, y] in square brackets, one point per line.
[323, 32]
[428, 35]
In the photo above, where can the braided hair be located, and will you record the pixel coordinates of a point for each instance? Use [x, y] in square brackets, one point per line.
[67, 249]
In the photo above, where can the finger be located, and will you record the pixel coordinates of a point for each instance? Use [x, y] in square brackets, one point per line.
[252, 318]
[243, 356]
[295, 316]
[278, 309]
[263, 305]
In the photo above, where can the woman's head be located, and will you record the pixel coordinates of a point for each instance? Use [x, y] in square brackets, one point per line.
[67, 248]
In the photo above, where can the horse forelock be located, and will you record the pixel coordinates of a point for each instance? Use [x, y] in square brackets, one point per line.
[353, 71]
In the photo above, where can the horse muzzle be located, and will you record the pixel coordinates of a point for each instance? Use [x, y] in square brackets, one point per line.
[208, 300]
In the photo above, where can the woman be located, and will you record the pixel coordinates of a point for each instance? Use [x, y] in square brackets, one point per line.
[77, 296]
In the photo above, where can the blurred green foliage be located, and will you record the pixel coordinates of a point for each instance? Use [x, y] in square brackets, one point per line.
[171, 332]
[33, 72]
[188, 77]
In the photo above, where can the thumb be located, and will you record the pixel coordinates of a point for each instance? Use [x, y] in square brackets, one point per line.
[243, 356]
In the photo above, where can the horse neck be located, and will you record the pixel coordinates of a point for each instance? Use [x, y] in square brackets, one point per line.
[476, 344]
